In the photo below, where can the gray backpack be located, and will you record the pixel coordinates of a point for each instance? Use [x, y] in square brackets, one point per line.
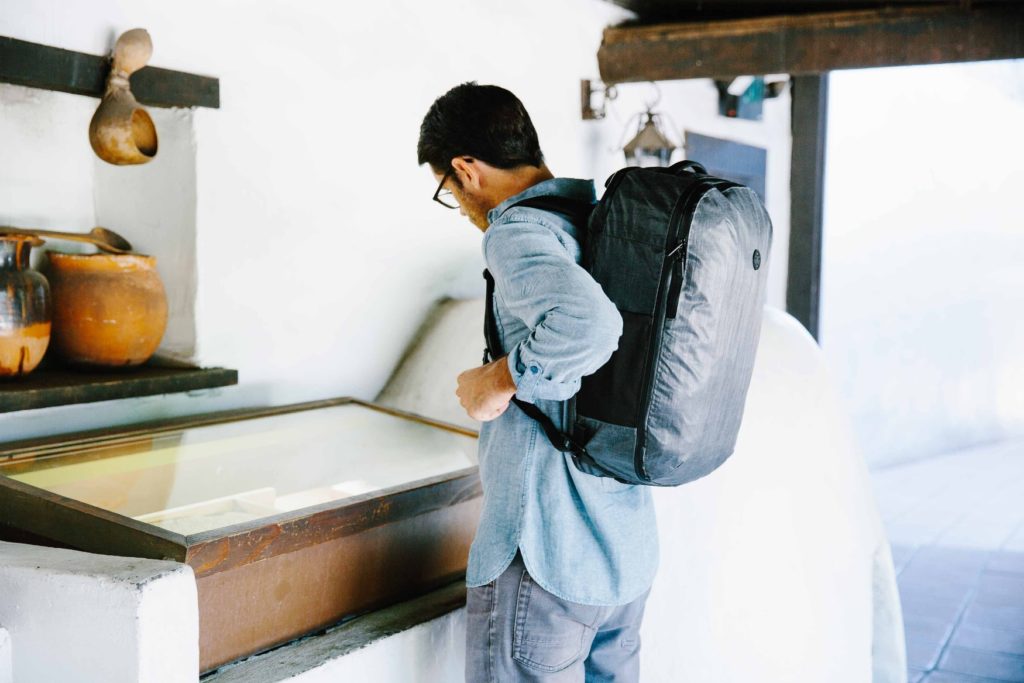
[683, 255]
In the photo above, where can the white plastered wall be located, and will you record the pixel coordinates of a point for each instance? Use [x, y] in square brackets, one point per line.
[315, 250]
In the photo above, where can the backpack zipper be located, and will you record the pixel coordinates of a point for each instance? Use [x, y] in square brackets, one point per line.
[679, 264]
[680, 218]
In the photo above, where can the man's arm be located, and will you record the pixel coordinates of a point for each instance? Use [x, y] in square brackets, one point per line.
[574, 327]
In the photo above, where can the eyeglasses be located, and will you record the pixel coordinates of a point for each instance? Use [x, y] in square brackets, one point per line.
[444, 196]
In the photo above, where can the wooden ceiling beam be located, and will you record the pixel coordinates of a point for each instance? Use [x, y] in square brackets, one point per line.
[812, 43]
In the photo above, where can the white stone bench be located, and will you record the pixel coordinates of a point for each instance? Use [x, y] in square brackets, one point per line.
[74, 616]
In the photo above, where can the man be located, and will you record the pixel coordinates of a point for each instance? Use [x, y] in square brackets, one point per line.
[562, 560]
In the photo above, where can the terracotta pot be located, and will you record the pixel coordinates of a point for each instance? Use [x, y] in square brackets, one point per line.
[24, 307]
[108, 309]
[121, 132]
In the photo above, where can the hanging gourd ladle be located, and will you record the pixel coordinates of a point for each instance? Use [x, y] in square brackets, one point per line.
[121, 132]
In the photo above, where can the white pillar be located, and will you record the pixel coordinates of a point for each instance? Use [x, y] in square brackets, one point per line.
[79, 616]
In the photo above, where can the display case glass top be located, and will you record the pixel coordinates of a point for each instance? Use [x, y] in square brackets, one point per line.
[195, 479]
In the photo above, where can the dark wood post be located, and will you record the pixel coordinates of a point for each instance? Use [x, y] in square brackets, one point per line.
[807, 189]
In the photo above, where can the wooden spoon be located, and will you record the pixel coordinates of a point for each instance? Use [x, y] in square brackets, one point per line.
[106, 240]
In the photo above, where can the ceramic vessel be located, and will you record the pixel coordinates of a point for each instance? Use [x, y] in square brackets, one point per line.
[121, 132]
[108, 309]
[24, 307]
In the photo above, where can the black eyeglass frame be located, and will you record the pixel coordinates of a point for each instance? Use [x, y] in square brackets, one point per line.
[440, 188]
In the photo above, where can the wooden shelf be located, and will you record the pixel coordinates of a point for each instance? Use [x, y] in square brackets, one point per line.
[53, 385]
[53, 68]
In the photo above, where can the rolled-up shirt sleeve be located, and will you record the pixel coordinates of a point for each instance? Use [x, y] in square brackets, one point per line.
[574, 327]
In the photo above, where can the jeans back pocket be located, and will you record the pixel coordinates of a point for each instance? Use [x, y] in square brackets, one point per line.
[550, 634]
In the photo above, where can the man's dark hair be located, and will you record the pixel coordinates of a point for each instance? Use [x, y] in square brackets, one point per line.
[481, 121]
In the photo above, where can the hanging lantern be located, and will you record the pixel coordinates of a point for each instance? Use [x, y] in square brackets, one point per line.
[649, 147]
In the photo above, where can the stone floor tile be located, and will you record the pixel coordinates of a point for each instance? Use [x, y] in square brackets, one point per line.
[960, 557]
[995, 616]
[948, 677]
[940, 581]
[989, 639]
[1016, 542]
[905, 532]
[927, 604]
[978, 533]
[952, 562]
[956, 524]
[995, 665]
[1006, 562]
[941, 517]
[1000, 589]
[902, 554]
[925, 639]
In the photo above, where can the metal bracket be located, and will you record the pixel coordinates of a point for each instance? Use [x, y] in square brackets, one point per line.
[588, 110]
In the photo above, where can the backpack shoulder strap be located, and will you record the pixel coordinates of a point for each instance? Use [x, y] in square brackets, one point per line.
[578, 212]
[493, 350]
[492, 339]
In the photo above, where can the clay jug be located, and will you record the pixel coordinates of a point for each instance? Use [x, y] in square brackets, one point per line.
[24, 307]
[108, 309]
[121, 132]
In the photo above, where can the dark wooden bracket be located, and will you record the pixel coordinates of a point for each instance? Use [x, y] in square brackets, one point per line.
[53, 68]
[812, 43]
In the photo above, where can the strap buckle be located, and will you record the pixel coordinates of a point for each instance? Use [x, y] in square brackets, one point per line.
[568, 445]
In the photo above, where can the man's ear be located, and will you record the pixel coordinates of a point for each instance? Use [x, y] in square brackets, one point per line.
[469, 172]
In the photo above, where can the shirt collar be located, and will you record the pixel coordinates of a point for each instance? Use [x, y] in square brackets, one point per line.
[572, 188]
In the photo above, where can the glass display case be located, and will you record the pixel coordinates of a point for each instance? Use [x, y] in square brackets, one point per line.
[291, 518]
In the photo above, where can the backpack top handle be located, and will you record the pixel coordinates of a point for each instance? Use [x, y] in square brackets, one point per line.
[687, 165]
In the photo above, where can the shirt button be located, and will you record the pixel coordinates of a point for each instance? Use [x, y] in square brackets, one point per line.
[534, 369]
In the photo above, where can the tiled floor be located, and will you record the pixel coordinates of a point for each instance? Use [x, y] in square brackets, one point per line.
[956, 524]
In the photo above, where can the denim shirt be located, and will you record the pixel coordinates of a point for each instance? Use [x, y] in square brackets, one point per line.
[587, 539]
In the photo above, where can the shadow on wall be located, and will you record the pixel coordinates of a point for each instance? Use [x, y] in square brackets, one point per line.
[156, 203]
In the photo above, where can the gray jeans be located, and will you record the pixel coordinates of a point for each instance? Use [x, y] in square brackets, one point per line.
[517, 631]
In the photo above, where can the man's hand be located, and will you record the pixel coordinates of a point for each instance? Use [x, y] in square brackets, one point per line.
[485, 391]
